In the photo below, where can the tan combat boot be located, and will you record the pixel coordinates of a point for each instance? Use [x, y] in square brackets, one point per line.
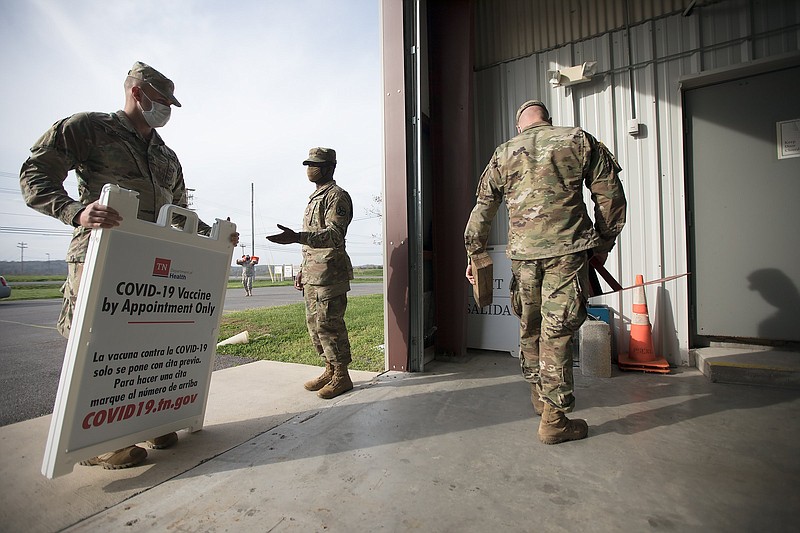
[122, 458]
[340, 383]
[555, 427]
[324, 379]
[538, 405]
[164, 441]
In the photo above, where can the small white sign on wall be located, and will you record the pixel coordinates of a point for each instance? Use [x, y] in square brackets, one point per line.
[788, 138]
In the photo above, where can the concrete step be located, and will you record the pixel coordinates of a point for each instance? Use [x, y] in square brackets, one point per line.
[752, 365]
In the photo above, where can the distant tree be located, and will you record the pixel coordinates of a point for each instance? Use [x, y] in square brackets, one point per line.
[376, 211]
[55, 267]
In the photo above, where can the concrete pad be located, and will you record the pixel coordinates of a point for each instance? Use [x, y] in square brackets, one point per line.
[752, 365]
[455, 449]
[243, 402]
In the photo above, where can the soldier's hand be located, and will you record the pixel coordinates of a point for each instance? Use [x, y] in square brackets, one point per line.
[298, 281]
[287, 236]
[469, 275]
[96, 215]
[599, 259]
[234, 235]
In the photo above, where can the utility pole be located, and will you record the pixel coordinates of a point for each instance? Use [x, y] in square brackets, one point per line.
[252, 221]
[48, 263]
[22, 246]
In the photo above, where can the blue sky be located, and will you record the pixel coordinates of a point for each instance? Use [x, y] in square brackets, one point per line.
[260, 82]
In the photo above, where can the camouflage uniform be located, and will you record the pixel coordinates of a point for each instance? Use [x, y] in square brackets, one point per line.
[101, 148]
[327, 271]
[248, 273]
[539, 173]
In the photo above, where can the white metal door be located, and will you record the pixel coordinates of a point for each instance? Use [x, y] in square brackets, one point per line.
[745, 202]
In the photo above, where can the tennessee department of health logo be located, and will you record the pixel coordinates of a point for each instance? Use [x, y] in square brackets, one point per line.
[161, 267]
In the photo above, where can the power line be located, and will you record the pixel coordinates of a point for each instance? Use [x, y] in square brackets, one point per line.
[36, 231]
[37, 215]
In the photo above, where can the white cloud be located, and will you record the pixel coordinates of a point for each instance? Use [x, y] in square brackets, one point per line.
[260, 82]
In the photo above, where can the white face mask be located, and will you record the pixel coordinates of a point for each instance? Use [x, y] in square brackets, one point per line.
[158, 115]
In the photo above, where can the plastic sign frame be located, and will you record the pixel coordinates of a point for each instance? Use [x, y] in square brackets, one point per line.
[140, 354]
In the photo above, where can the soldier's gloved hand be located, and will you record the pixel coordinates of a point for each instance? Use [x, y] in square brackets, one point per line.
[287, 236]
[599, 258]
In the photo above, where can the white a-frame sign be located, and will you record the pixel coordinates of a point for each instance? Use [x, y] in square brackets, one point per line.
[140, 355]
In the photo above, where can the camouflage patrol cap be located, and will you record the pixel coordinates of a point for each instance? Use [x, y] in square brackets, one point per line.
[157, 81]
[530, 103]
[321, 155]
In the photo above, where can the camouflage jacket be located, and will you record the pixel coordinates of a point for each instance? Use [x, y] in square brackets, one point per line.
[325, 261]
[540, 173]
[248, 267]
[101, 148]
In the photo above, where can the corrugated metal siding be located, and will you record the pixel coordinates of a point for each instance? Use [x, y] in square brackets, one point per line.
[510, 29]
[654, 242]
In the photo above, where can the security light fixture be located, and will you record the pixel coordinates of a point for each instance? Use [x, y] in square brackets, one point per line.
[572, 75]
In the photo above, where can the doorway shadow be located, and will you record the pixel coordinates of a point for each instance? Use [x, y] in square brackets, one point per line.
[778, 290]
[665, 332]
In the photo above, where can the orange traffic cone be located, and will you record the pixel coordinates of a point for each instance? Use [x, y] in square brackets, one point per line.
[641, 355]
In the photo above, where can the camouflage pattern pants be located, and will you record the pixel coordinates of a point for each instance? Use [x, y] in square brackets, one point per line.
[70, 291]
[247, 283]
[325, 322]
[549, 298]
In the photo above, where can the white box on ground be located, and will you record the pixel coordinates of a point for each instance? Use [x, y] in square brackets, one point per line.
[140, 354]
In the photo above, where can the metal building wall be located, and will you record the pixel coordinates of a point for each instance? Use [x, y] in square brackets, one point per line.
[509, 29]
[637, 79]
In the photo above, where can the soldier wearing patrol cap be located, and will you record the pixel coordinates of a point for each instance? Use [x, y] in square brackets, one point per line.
[326, 271]
[121, 148]
[248, 265]
[156, 80]
[540, 173]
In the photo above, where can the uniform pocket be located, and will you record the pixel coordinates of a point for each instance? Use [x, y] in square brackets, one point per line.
[327, 292]
[516, 298]
[164, 171]
[575, 310]
[313, 218]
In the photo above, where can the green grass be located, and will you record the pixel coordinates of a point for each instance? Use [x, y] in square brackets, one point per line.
[280, 334]
[276, 333]
[43, 291]
[368, 273]
[35, 292]
[17, 277]
[236, 283]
